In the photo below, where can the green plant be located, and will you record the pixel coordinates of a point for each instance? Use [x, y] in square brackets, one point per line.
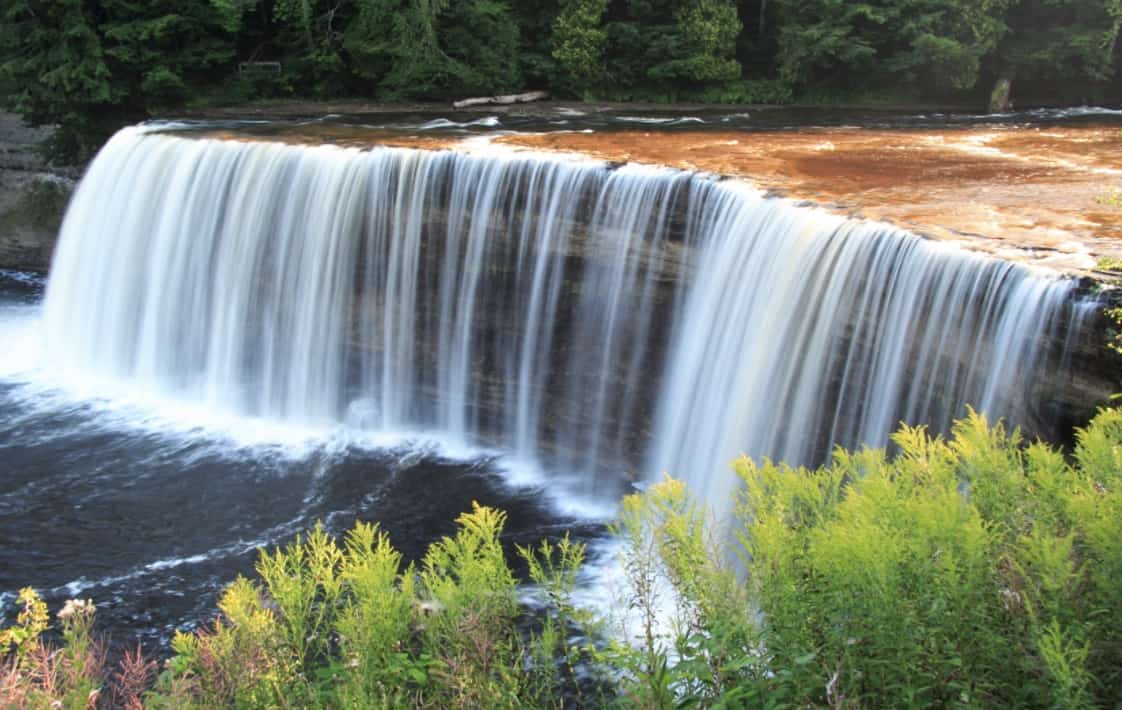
[31, 622]
[759, 91]
[38, 674]
[696, 638]
[1108, 263]
[346, 625]
[973, 570]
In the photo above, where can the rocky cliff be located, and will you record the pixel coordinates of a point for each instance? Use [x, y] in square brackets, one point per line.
[33, 197]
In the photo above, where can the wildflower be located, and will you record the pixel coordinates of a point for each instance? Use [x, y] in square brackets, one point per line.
[76, 608]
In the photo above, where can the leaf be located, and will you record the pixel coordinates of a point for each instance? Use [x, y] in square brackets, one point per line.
[806, 659]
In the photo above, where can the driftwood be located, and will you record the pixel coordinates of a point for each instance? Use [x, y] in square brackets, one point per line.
[503, 100]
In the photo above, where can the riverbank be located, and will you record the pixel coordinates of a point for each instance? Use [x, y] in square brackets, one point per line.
[33, 196]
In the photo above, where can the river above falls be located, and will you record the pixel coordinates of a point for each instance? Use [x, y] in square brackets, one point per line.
[1043, 185]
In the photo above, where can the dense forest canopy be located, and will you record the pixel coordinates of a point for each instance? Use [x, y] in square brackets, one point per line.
[89, 64]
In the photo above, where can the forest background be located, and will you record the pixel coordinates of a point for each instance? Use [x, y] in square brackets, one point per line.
[89, 66]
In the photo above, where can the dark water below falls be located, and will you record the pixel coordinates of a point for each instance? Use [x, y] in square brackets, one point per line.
[150, 510]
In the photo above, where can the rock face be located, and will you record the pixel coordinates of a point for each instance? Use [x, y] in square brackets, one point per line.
[33, 198]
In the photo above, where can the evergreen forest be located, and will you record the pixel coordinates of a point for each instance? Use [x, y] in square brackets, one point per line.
[91, 65]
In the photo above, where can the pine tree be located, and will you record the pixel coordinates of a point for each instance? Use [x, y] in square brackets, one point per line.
[53, 69]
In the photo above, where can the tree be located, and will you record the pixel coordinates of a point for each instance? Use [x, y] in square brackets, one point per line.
[578, 41]
[433, 48]
[311, 33]
[925, 45]
[52, 61]
[482, 37]
[672, 45]
[158, 51]
[1066, 46]
[820, 39]
[706, 32]
[89, 67]
[944, 41]
[535, 20]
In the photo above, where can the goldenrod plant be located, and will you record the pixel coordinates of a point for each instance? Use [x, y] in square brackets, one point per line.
[72, 676]
[348, 624]
[972, 570]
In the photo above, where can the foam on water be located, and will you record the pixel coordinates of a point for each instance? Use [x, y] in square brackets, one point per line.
[437, 123]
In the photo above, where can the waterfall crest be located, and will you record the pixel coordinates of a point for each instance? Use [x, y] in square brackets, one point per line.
[590, 319]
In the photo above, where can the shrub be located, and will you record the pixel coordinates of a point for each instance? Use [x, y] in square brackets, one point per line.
[746, 91]
[347, 625]
[38, 674]
[973, 570]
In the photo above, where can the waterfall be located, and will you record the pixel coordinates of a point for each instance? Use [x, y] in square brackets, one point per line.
[608, 322]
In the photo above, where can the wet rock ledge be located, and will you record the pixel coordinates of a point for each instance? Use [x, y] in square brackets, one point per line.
[33, 197]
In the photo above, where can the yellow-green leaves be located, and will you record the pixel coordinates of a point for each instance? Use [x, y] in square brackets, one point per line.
[31, 622]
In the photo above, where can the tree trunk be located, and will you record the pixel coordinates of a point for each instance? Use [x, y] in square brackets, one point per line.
[1001, 98]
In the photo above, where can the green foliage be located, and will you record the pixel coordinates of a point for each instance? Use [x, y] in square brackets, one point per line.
[157, 50]
[760, 91]
[578, 40]
[90, 66]
[938, 44]
[40, 204]
[948, 41]
[1064, 47]
[1112, 198]
[953, 573]
[970, 571]
[38, 674]
[672, 45]
[31, 622]
[706, 43]
[310, 36]
[54, 67]
[697, 641]
[346, 625]
[429, 48]
[482, 38]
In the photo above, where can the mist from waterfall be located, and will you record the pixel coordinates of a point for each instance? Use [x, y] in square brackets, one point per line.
[606, 322]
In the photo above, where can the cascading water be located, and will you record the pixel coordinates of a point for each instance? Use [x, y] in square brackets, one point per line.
[587, 319]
